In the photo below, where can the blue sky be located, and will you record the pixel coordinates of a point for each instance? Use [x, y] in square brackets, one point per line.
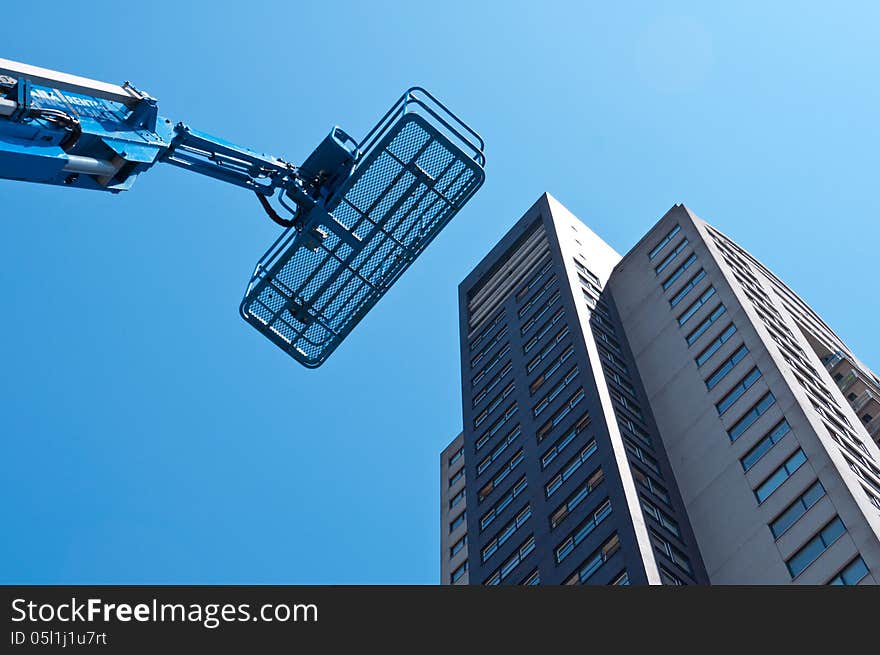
[150, 436]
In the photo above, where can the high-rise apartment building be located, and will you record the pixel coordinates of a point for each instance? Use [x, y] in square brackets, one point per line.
[673, 416]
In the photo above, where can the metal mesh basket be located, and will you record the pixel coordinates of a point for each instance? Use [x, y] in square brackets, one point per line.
[312, 287]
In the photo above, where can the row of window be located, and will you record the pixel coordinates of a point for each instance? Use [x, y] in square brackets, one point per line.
[695, 306]
[512, 436]
[738, 390]
[536, 278]
[528, 325]
[809, 379]
[780, 475]
[726, 367]
[554, 366]
[544, 403]
[476, 341]
[538, 295]
[713, 347]
[680, 246]
[687, 288]
[504, 571]
[560, 414]
[493, 512]
[811, 551]
[487, 368]
[499, 423]
[494, 382]
[572, 465]
[480, 418]
[458, 573]
[586, 569]
[582, 531]
[542, 331]
[565, 440]
[506, 533]
[546, 350]
[664, 242]
[755, 412]
[705, 324]
[515, 460]
[576, 498]
[489, 346]
[678, 272]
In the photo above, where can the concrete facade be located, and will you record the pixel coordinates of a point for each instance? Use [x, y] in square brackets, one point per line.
[566, 479]
[704, 379]
[725, 502]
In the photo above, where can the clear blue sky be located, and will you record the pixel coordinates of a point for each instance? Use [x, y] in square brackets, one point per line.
[150, 436]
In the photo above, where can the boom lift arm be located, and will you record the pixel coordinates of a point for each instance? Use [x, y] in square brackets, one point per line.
[356, 213]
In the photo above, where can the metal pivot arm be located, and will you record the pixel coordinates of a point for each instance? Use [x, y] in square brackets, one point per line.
[357, 214]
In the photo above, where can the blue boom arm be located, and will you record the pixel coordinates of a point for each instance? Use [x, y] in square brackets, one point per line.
[356, 213]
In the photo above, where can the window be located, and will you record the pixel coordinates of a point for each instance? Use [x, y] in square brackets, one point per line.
[540, 314]
[736, 393]
[659, 268]
[499, 449]
[570, 467]
[555, 391]
[641, 455]
[726, 367]
[694, 307]
[531, 302]
[797, 509]
[494, 382]
[595, 561]
[510, 565]
[486, 330]
[648, 483]
[851, 574]
[621, 580]
[457, 546]
[668, 578]
[710, 350]
[662, 545]
[543, 330]
[550, 370]
[506, 533]
[496, 426]
[493, 405]
[780, 475]
[678, 271]
[751, 416]
[576, 498]
[457, 521]
[766, 443]
[457, 455]
[533, 579]
[811, 551]
[485, 351]
[503, 503]
[663, 242]
[707, 322]
[687, 288]
[459, 474]
[535, 279]
[583, 531]
[458, 573]
[661, 517]
[545, 351]
[456, 499]
[490, 365]
[565, 440]
[560, 414]
[512, 463]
